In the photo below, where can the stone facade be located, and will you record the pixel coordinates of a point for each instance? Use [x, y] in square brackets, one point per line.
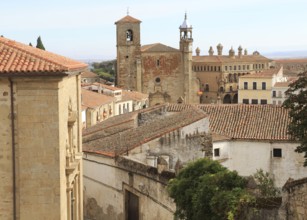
[163, 72]
[138, 155]
[219, 74]
[40, 129]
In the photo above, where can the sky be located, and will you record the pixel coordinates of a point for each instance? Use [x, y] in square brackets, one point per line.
[85, 30]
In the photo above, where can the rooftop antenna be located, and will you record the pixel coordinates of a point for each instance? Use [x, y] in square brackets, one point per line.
[127, 10]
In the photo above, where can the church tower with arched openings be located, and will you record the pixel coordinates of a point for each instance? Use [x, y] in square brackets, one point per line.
[186, 47]
[128, 41]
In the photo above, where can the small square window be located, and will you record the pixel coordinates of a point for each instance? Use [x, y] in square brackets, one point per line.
[277, 152]
[217, 152]
[245, 101]
[254, 101]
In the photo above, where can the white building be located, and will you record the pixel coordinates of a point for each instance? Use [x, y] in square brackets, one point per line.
[251, 137]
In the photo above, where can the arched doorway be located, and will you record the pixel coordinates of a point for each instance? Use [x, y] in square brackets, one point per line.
[227, 99]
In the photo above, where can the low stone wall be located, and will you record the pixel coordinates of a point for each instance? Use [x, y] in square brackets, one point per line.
[295, 199]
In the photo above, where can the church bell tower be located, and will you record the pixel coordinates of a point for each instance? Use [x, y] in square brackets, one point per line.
[186, 44]
[128, 44]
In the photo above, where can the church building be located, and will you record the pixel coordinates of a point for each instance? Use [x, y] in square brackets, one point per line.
[163, 72]
[175, 75]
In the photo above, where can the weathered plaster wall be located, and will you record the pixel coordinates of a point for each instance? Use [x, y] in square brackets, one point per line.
[6, 171]
[180, 146]
[248, 156]
[105, 191]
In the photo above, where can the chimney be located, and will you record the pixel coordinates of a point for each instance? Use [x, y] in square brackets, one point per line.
[219, 49]
[211, 51]
[197, 51]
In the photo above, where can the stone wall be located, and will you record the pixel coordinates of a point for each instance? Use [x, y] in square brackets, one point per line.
[295, 199]
[108, 180]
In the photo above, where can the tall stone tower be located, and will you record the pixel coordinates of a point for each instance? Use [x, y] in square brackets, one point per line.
[128, 53]
[186, 43]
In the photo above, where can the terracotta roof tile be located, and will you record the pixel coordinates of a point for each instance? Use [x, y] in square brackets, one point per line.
[227, 59]
[128, 19]
[157, 47]
[263, 74]
[133, 95]
[19, 58]
[239, 121]
[112, 88]
[89, 74]
[93, 99]
[119, 143]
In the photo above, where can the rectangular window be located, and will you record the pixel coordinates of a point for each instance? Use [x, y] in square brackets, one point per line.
[263, 86]
[245, 85]
[235, 68]
[254, 85]
[274, 93]
[254, 101]
[217, 152]
[230, 68]
[226, 67]
[247, 67]
[245, 101]
[263, 102]
[243, 67]
[277, 152]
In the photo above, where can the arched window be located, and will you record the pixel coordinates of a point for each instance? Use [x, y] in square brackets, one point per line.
[129, 35]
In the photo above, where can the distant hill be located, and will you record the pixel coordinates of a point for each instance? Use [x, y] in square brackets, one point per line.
[286, 54]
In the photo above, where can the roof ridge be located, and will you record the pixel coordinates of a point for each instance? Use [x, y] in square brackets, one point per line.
[33, 54]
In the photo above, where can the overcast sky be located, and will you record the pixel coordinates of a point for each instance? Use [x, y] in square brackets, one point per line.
[84, 29]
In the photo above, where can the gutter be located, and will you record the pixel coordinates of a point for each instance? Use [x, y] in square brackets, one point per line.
[13, 149]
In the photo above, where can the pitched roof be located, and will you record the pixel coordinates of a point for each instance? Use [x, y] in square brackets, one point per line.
[249, 122]
[227, 59]
[93, 99]
[89, 74]
[134, 95]
[119, 143]
[157, 47]
[104, 86]
[128, 19]
[18, 58]
[263, 74]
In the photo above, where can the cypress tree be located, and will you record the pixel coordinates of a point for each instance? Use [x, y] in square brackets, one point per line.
[40, 43]
[30, 44]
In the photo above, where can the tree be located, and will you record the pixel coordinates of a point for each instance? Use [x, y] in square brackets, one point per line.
[297, 105]
[39, 43]
[207, 190]
[30, 44]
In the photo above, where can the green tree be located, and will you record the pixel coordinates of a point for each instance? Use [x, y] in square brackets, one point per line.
[39, 43]
[207, 190]
[297, 105]
[265, 184]
[30, 44]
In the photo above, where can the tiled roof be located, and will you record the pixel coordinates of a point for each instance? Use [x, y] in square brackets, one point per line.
[227, 59]
[287, 83]
[250, 122]
[157, 47]
[263, 74]
[112, 88]
[128, 19]
[133, 95]
[89, 74]
[119, 143]
[94, 99]
[18, 58]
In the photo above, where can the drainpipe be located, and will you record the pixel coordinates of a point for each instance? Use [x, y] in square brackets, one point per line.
[13, 148]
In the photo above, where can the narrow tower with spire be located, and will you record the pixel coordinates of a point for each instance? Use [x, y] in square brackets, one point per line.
[186, 44]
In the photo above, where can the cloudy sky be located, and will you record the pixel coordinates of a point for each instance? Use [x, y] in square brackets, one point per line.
[85, 29]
